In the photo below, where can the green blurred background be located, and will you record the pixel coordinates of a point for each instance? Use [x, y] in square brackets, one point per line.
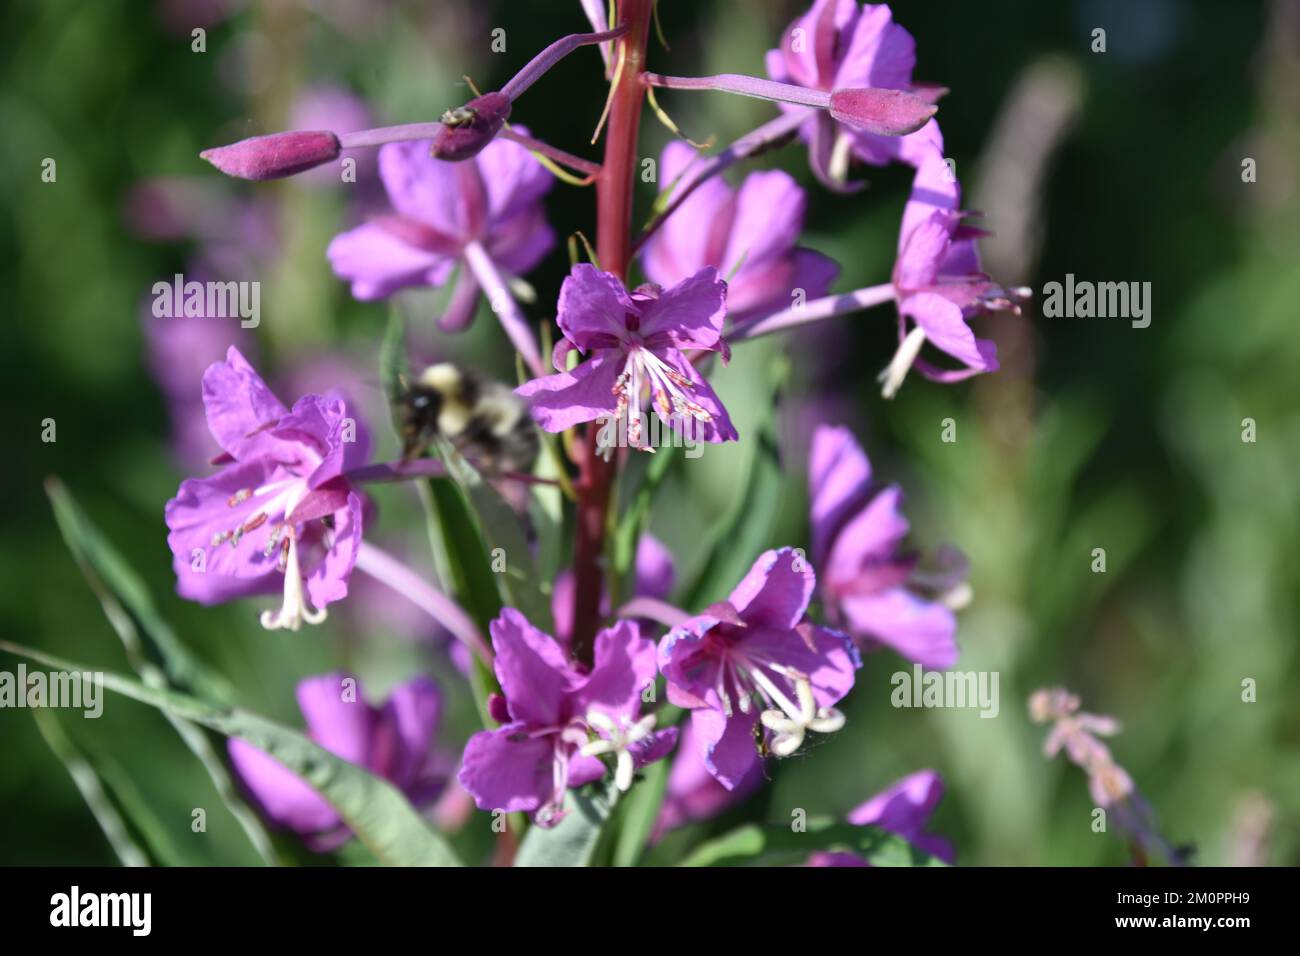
[1115, 166]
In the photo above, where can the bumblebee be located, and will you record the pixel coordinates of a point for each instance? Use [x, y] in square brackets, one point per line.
[483, 419]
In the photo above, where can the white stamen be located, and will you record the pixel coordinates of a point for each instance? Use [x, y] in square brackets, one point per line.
[892, 377]
[619, 736]
[294, 610]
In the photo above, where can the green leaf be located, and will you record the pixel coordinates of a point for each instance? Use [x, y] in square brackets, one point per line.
[500, 530]
[372, 807]
[743, 534]
[754, 845]
[127, 603]
[92, 790]
[152, 648]
[638, 812]
[572, 841]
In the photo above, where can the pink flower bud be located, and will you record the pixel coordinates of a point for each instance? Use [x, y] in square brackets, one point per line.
[274, 156]
[467, 129]
[884, 112]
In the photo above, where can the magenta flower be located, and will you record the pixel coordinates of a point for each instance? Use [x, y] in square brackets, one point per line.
[445, 213]
[939, 285]
[869, 586]
[394, 741]
[756, 659]
[903, 809]
[557, 718]
[636, 344]
[280, 516]
[749, 235]
[838, 45]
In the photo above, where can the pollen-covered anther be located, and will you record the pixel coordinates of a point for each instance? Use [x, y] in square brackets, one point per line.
[239, 497]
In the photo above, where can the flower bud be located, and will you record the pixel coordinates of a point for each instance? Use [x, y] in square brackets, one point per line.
[883, 112]
[274, 156]
[467, 129]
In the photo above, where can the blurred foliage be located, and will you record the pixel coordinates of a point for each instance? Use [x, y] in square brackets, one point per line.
[1094, 434]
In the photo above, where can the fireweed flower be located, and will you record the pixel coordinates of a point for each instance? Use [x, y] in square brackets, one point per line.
[837, 45]
[870, 587]
[279, 516]
[636, 344]
[394, 741]
[483, 214]
[938, 283]
[903, 809]
[1076, 732]
[557, 717]
[754, 665]
[748, 235]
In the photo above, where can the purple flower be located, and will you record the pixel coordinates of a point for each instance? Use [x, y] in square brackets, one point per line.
[636, 344]
[394, 741]
[869, 585]
[558, 717]
[939, 285]
[440, 208]
[280, 516]
[903, 809]
[838, 45]
[749, 235]
[756, 658]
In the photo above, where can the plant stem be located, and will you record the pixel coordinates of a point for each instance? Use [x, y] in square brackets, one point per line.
[614, 249]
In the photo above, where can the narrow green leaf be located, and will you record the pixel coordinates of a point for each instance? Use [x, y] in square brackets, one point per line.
[372, 807]
[754, 845]
[128, 604]
[92, 790]
[638, 812]
[573, 841]
[148, 639]
[517, 580]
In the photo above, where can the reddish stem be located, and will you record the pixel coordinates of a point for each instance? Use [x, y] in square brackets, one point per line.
[614, 249]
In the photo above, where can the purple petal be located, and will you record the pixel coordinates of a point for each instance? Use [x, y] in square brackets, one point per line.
[341, 726]
[403, 735]
[426, 189]
[655, 571]
[655, 747]
[515, 180]
[624, 667]
[878, 52]
[923, 252]
[776, 591]
[593, 307]
[532, 670]
[946, 329]
[696, 234]
[726, 744]
[905, 808]
[504, 769]
[327, 572]
[689, 315]
[239, 406]
[839, 479]
[378, 262]
[284, 797]
[692, 793]
[688, 662]
[558, 402]
[827, 657]
[868, 539]
[922, 631]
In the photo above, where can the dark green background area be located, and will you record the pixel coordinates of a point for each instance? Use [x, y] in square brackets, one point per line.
[1094, 435]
